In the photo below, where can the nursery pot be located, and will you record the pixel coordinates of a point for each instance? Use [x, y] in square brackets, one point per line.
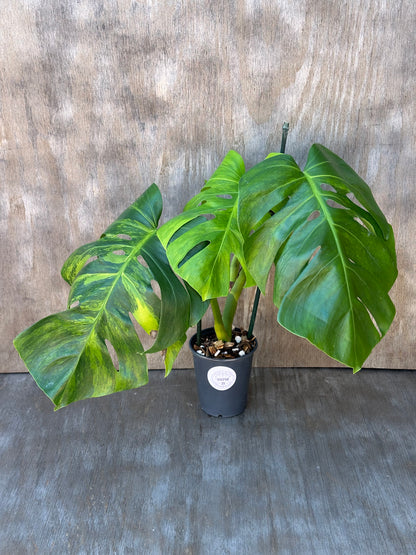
[222, 384]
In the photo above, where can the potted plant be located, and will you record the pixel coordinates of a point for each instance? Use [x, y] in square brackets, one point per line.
[320, 228]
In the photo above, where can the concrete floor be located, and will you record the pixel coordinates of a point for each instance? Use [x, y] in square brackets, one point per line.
[321, 462]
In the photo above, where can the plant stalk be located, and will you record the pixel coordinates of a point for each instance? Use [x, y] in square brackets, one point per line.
[234, 269]
[218, 321]
[231, 303]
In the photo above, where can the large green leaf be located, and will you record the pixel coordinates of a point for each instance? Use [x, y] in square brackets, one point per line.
[200, 241]
[332, 247]
[67, 353]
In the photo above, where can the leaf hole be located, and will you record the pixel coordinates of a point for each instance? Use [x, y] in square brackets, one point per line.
[354, 199]
[315, 252]
[373, 320]
[191, 224]
[226, 196]
[195, 250]
[328, 187]
[119, 252]
[142, 261]
[75, 304]
[113, 354]
[145, 339]
[361, 222]
[124, 236]
[334, 204]
[156, 288]
[315, 214]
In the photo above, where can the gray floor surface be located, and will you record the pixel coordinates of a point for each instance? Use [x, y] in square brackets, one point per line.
[321, 462]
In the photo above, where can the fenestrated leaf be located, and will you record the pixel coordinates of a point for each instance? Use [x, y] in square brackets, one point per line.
[334, 255]
[67, 353]
[200, 241]
[69, 360]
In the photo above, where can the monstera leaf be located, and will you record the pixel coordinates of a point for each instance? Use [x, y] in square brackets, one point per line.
[332, 248]
[68, 353]
[200, 241]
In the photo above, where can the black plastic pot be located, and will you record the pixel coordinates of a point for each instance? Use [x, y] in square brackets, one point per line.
[222, 384]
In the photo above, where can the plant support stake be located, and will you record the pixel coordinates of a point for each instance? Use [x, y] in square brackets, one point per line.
[198, 332]
[285, 131]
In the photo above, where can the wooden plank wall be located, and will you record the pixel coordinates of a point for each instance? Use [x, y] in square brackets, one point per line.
[100, 99]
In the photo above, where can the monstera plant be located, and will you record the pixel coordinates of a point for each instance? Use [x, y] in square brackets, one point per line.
[320, 228]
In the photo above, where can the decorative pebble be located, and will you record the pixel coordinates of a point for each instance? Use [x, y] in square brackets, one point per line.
[237, 339]
[200, 352]
[241, 353]
[217, 353]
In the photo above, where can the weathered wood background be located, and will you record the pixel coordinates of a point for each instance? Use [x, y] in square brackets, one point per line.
[100, 99]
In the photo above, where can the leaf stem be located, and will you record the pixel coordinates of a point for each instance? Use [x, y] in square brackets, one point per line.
[218, 321]
[231, 303]
[234, 269]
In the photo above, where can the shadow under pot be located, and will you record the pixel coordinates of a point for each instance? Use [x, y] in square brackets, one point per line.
[222, 383]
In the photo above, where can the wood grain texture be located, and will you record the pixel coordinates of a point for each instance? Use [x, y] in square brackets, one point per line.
[99, 100]
[321, 462]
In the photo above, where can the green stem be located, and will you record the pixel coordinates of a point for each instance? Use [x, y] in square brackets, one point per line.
[234, 269]
[231, 303]
[218, 321]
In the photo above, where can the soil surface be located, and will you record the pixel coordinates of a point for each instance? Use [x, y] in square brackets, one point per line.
[239, 345]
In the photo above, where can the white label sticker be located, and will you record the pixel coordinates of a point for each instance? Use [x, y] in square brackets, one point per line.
[221, 377]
